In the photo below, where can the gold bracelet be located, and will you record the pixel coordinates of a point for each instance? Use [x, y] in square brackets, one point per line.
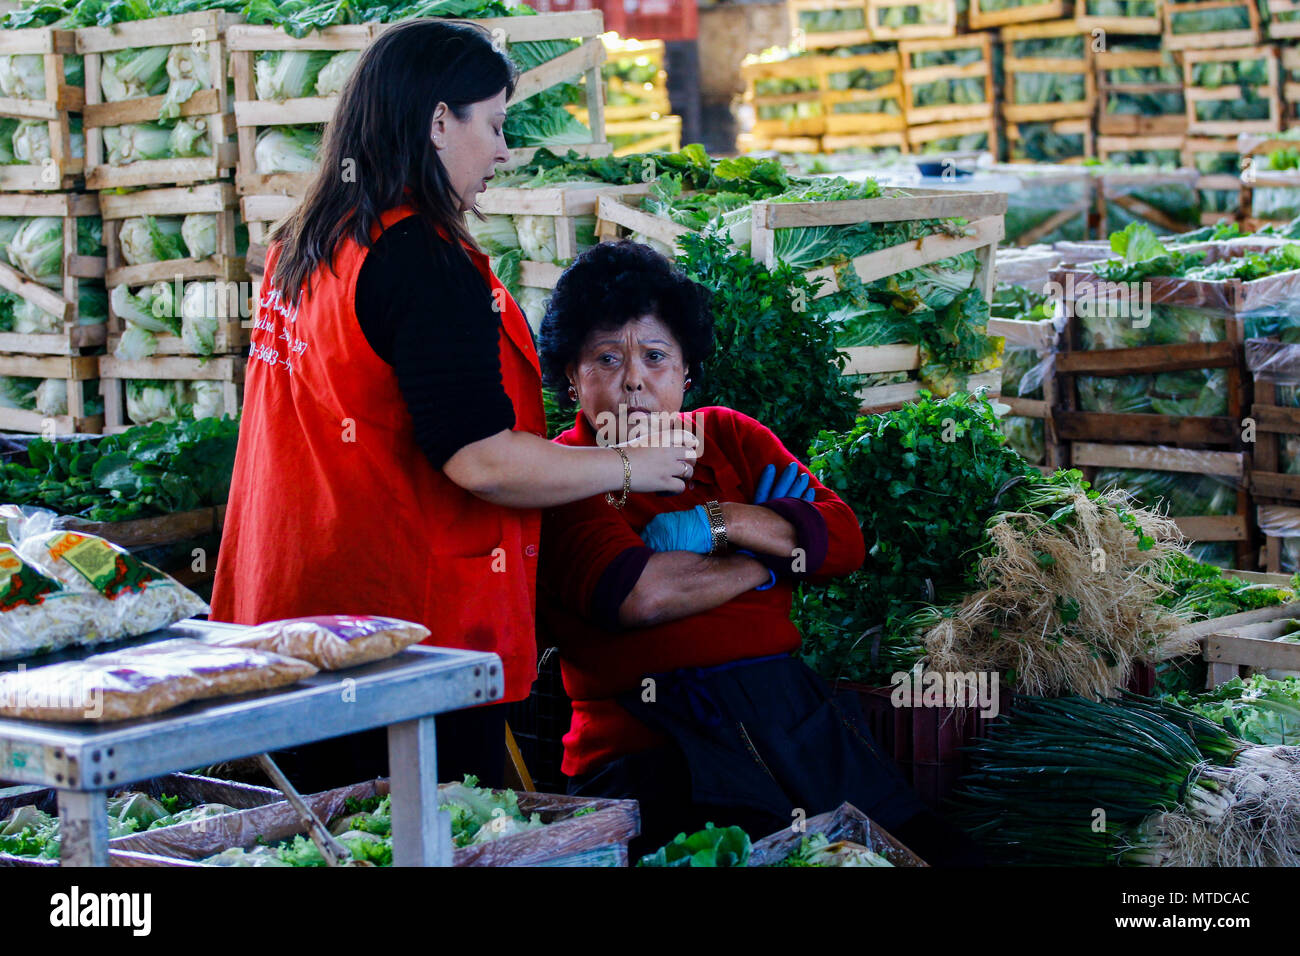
[627, 481]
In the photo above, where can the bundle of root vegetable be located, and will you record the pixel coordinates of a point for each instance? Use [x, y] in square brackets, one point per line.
[1069, 590]
[1134, 782]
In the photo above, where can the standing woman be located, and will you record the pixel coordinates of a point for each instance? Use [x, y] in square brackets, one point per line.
[392, 455]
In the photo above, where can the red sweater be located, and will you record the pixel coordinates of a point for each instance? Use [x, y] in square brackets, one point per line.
[580, 540]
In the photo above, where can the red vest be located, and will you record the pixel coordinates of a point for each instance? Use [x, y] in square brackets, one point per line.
[335, 509]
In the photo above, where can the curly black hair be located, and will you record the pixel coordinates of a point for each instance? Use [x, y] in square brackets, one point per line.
[608, 286]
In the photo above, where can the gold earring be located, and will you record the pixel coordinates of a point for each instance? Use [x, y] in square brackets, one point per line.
[573, 393]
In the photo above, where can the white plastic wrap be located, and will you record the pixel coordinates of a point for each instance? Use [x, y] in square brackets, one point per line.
[329, 642]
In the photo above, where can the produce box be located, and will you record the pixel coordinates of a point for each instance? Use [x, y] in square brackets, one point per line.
[984, 14]
[178, 242]
[1218, 162]
[862, 98]
[638, 114]
[1030, 266]
[1290, 85]
[1045, 203]
[911, 19]
[52, 145]
[1029, 348]
[1270, 179]
[1049, 72]
[1140, 93]
[191, 788]
[282, 81]
[1164, 199]
[1192, 367]
[1206, 492]
[1205, 24]
[1283, 20]
[848, 824]
[1269, 648]
[1061, 141]
[980, 135]
[1275, 472]
[125, 145]
[948, 80]
[73, 410]
[1120, 16]
[1280, 526]
[579, 832]
[61, 291]
[1232, 91]
[821, 24]
[786, 95]
[134, 389]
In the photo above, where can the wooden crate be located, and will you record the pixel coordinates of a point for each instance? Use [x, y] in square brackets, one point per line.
[845, 824]
[1194, 94]
[113, 373]
[928, 138]
[209, 30]
[150, 532]
[809, 69]
[1015, 67]
[74, 369]
[1248, 35]
[648, 135]
[1254, 155]
[580, 831]
[1251, 649]
[1016, 135]
[1109, 146]
[1145, 24]
[1215, 182]
[232, 299]
[1229, 466]
[943, 24]
[915, 76]
[1279, 29]
[826, 39]
[1278, 524]
[1269, 482]
[1040, 337]
[1121, 188]
[262, 214]
[63, 170]
[1024, 13]
[252, 115]
[217, 199]
[877, 359]
[1290, 86]
[1119, 124]
[74, 338]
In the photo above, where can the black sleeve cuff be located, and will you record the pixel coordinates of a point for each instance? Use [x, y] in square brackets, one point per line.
[615, 584]
[810, 533]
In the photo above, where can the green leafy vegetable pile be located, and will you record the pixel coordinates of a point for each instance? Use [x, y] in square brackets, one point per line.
[145, 471]
[1201, 591]
[1256, 709]
[710, 847]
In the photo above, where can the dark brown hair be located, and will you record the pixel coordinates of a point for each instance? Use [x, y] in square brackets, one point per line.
[377, 152]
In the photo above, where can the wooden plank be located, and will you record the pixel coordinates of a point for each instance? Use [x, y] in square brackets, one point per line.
[982, 20]
[210, 197]
[217, 368]
[1155, 429]
[156, 31]
[1257, 654]
[76, 368]
[869, 360]
[145, 109]
[895, 205]
[1148, 358]
[257, 38]
[590, 55]
[1027, 407]
[1228, 623]
[1275, 485]
[143, 532]
[1276, 418]
[1223, 463]
[1214, 527]
[69, 342]
[307, 109]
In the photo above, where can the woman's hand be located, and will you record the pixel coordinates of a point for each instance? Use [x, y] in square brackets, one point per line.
[661, 462]
[680, 531]
[793, 483]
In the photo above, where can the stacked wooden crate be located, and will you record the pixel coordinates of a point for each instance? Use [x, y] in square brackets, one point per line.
[168, 267]
[51, 263]
[638, 115]
[1275, 470]
[1054, 58]
[1270, 196]
[1140, 106]
[948, 94]
[1123, 409]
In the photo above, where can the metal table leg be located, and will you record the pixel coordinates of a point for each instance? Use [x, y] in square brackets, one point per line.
[83, 823]
[421, 832]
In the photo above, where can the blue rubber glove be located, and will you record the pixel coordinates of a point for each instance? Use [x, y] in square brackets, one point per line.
[793, 483]
[680, 531]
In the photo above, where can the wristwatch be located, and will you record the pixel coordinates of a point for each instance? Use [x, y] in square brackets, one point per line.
[717, 527]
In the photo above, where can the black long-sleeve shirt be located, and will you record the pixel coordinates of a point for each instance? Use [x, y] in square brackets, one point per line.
[426, 311]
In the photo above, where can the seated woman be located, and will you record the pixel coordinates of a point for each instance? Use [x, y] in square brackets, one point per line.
[672, 612]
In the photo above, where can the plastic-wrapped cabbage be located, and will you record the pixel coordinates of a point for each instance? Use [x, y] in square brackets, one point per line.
[31, 320]
[207, 399]
[152, 308]
[18, 392]
[150, 400]
[336, 72]
[189, 138]
[199, 317]
[287, 149]
[1175, 493]
[288, 74]
[496, 234]
[1169, 325]
[147, 239]
[31, 142]
[199, 230]
[37, 249]
[52, 397]
[135, 344]
[187, 73]
[133, 142]
[1196, 392]
[22, 76]
[133, 73]
[537, 237]
[1027, 436]
[532, 302]
[9, 226]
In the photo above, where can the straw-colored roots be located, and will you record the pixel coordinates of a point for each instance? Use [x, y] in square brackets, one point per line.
[1068, 607]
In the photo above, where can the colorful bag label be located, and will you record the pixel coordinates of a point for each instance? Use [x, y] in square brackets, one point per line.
[21, 583]
[110, 571]
[349, 627]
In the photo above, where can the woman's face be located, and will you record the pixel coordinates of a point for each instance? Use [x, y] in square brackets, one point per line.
[471, 150]
[640, 366]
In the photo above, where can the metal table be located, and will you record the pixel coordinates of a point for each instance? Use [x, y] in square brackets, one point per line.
[84, 761]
